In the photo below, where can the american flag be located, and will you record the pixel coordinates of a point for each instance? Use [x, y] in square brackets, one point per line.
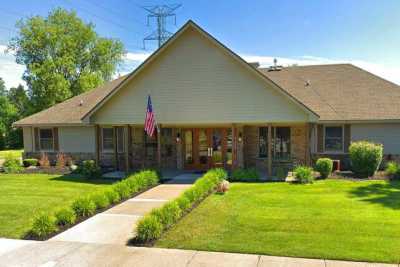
[150, 122]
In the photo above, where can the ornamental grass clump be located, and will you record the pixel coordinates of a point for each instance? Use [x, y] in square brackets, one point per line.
[304, 174]
[365, 158]
[43, 225]
[149, 228]
[113, 197]
[324, 166]
[123, 189]
[83, 206]
[100, 199]
[65, 216]
[393, 170]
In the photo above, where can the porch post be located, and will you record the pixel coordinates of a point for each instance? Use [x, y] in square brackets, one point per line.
[269, 150]
[97, 144]
[308, 143]
[234, 146]
[159, 146]
[115, 147]
[127, 146]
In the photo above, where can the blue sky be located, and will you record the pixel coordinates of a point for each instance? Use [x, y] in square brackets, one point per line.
[363, 32]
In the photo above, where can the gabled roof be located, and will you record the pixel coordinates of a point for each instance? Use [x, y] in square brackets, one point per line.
[340, 92]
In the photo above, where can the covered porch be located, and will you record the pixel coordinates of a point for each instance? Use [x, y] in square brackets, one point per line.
[271, 148]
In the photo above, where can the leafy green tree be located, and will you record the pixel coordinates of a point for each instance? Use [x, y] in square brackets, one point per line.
[63, 56]
[3, 90]
[19, 98]
[8, 114]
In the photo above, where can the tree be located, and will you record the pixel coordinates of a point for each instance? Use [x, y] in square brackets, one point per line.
[63, 57]
[19, 98]
[3, 90]
[8, 114]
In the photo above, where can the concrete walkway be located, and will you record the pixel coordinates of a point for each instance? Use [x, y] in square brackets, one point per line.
[116, 225]
[57, 253]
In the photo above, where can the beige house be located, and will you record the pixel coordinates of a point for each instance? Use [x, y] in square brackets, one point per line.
[215, 109]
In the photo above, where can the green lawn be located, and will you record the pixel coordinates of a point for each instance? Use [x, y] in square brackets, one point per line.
[21, 195]
[15, 153]
[333, 219]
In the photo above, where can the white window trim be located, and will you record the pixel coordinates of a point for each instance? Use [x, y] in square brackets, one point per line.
[102, 140]
[324, 132]
[52, 134]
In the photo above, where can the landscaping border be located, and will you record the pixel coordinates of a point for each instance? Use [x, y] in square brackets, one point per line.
[45, 225]
[153, 225]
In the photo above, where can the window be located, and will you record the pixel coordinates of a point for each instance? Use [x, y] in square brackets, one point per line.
[46, 139]
[263, 142]
[333, 138]
[108, 139]
[120, 140]
[167, 142]
[280, 143]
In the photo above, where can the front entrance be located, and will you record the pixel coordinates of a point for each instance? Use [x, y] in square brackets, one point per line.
[206, 148]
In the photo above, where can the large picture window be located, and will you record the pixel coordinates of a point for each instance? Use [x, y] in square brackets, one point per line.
[46, 139]
[333, 138]
[108, 139]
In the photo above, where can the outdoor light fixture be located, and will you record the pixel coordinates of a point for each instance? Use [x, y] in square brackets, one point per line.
[240, 137]
[178, 137]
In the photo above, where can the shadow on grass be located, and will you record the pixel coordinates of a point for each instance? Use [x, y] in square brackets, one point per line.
[387, 194]
[80, 179]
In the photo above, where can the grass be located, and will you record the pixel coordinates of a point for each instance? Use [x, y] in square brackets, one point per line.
[21, 195]
[15, 153]
[331, 219]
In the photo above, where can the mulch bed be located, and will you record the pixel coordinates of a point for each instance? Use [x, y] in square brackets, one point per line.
[349, 175]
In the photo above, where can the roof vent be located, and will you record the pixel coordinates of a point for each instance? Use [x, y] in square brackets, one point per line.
[255, 64]
[81, 102]
[308, 83]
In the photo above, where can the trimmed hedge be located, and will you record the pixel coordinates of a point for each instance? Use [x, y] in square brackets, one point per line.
[30, 162]
[365, 158]
[324, 166]
[304, 174]
[151, 226]
[245, 175]
[84, 206]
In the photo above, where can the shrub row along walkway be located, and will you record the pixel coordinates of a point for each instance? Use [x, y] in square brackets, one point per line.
[114, 226]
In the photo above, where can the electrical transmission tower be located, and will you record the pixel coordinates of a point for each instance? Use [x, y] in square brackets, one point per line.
[160, 13]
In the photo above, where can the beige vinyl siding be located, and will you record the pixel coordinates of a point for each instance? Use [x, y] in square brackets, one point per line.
[386, 134]
[28, 139]
[77, 139]
[195, 82]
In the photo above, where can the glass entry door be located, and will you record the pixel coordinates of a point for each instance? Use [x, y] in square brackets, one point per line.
[205, 148]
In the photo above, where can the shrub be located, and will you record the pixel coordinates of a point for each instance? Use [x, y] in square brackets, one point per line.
[393, 169]
[30, 162]
[281, 173]
[183, 203]
[223, 187]
[123, 190]
[100, 200]
[324, 166]
[245, 175]
[113, 197]
[304, 174]
[89, 169]
[365, 158]
[12, 164]
[84, 206]
[65, 216]
[167, 214]
[61, 161]
[44, 161]
[148, 228]
[43, 225]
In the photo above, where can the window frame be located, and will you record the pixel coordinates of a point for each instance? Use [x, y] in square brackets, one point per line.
[106, 150]
[324, 139]
[52, 138]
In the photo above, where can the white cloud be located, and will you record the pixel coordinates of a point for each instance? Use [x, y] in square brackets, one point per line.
[10, 71]
[137, 56]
